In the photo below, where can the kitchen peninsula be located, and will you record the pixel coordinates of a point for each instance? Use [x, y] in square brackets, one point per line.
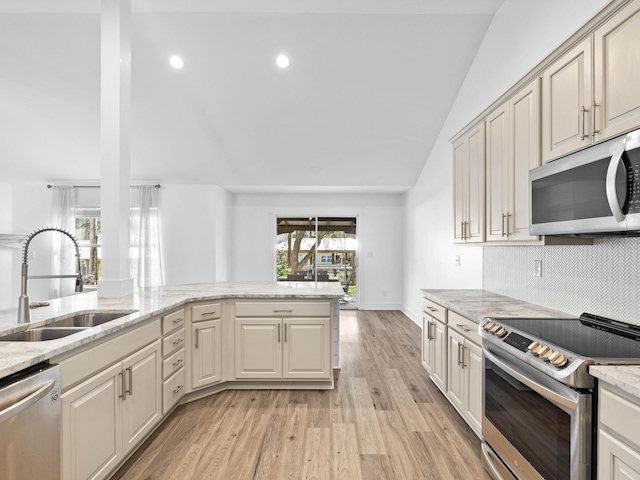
[121, 377]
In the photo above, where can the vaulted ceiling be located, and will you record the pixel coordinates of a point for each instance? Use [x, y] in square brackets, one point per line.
[369, 86]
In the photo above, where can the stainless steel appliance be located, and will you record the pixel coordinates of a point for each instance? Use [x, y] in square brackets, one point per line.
[593, 192]
[539, 401]
[30, 424]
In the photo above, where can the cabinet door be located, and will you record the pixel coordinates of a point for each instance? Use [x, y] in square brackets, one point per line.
[91, 432]
[524, 154]
[617, 73]
[141, 409]
[206, 353]
[473, 386]
[455, 373]
[306, 348]
[566, 102]
[439, 362]
[475, 220]
[258, 348]
[497, 172]
[460, 188]
[427, 348]
[616, 459]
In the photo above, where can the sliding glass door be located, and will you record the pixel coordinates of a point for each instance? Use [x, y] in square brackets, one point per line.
[321, 249]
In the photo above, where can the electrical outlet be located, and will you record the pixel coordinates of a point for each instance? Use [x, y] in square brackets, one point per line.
[537, 269]
[457, 260]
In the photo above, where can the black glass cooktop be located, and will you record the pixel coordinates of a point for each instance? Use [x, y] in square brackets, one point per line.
[589, 336]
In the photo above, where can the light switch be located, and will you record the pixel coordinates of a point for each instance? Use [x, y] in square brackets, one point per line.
[538, 268]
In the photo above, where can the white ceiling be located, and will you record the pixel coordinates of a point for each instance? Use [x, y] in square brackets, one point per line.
[369, 87]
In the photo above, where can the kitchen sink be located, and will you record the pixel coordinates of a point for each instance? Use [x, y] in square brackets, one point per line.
[40, 334]
[88, 319]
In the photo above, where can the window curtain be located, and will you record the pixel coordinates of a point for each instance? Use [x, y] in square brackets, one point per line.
[146, 265]
[63, 252]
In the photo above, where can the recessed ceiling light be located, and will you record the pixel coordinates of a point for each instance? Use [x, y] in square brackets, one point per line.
[176, 61]
[283, 61]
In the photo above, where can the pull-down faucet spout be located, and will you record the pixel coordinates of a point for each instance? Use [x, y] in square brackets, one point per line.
[24, 314]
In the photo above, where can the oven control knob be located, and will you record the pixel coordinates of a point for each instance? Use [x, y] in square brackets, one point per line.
[487, 324]
[547, 355]
[494, 328]
[544, 352]
[557, 359]
[500, 332]
[534, 348]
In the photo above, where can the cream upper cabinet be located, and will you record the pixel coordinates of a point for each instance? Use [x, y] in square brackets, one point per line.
[617, 73]
[512, 149]
[566, 102]
[497, 172]
[591, 93]
[468, 187]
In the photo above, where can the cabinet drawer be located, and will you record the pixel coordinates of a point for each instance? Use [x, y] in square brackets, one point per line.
[172, 363]
[620, 415]
[173, 342]
[209, 311]
[435, 310]
[465, 327]
[172, 321]
[172, 390]
[283, 309]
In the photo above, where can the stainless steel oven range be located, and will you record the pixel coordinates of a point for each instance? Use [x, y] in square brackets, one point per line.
[539, 401]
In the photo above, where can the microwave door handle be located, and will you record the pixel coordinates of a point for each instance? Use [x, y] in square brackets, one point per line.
[612, 193]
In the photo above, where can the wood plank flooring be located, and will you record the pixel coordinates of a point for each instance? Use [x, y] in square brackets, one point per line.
[384, 420]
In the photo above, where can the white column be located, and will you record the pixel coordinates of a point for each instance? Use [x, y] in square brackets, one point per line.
[115, 132]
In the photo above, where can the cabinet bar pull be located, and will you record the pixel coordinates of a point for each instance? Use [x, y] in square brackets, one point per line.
[508, 224]
[177, 389]
[463, 349]
[285, 332]
[177, 321]
[593, 118]
[123, 394]
[130, 380]
[197, 336]
[431, 309]
[178, 341]
[177, 362]
[504, 216]
[283, 311]
[464, 328]
[278, 333]
[208, 313]
[460, 355]
[429, 334]
[582, 112]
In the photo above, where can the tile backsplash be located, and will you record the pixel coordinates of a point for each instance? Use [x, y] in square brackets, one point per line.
[603, 278]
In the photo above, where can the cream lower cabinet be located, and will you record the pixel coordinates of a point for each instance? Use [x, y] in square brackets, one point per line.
[434, 350]
[618, 434]
[206, 353]
[292, 348]
[464, 378]
[105, 416]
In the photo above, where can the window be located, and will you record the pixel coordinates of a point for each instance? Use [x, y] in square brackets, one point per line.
[88, 232]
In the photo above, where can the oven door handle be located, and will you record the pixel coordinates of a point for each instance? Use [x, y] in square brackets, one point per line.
[546, 392]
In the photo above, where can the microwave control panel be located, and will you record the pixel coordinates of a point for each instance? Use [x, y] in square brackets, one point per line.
[632, 162]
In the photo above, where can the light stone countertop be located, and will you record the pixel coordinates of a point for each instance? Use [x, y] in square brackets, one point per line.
[479, 304]
[148, 302]
[625, 377]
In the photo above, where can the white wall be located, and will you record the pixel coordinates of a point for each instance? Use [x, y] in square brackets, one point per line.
[195, 226]
[380, 242]
[520, 36]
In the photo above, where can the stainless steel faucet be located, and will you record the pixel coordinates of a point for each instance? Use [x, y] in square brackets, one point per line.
[24, 314]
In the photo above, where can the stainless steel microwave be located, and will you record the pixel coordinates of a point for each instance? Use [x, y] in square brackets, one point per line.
[593, 192]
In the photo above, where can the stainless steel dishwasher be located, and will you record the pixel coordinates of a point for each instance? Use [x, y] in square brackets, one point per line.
[30, 424]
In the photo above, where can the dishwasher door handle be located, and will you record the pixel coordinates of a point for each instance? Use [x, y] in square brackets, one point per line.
[26, 402]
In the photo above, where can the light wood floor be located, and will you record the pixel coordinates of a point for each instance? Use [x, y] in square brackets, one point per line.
[384, 420]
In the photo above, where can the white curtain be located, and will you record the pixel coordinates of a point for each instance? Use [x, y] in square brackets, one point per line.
[63, 252]
[146, 267]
